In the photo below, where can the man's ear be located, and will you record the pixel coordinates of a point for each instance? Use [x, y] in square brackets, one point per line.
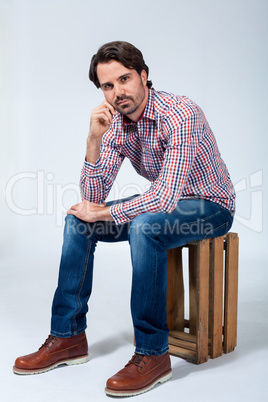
[144, 77]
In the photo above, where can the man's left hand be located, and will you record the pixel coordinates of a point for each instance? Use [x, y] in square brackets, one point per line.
[90, 212]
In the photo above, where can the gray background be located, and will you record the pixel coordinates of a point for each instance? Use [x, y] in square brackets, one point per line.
[215, 52]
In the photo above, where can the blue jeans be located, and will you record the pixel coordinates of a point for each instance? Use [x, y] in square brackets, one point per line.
[149, 235]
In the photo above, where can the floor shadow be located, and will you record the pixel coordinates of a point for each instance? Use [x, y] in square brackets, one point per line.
[109, 345]
[182, 368]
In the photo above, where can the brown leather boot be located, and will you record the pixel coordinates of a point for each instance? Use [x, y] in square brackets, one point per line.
[52, 353]
[140, 375]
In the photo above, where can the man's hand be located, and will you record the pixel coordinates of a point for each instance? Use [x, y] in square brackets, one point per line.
[90, 212]
[100, 121]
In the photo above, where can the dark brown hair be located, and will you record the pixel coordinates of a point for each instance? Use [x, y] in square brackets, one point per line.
[124, 53]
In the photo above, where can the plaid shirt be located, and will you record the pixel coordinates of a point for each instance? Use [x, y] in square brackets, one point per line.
[173, 147]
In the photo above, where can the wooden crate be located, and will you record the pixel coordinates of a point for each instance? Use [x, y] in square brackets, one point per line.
[213, 291]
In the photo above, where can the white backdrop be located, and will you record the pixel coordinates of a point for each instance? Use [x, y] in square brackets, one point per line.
[215, 52]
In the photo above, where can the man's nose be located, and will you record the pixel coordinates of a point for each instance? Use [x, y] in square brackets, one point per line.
[118, 90]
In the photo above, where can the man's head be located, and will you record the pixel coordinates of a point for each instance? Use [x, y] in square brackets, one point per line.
[119, 70]
[124, 53]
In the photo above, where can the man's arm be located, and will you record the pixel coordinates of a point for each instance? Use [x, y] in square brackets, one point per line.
[100, 122]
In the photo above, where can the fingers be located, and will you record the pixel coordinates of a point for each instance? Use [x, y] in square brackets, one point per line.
[71, 212]
[103, 116]
[109, 107]
[104, 109]
[86, 210]
[101, 119]
[75, 207]
[74, 210]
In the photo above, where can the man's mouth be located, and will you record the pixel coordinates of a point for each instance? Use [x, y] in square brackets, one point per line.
[122, 101]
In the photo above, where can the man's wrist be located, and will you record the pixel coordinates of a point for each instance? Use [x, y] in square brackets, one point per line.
[104, 214]
[94, 140]
[93, 149]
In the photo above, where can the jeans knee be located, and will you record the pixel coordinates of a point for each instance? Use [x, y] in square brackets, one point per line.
[144, 225]
[70, 219]
[74, 226]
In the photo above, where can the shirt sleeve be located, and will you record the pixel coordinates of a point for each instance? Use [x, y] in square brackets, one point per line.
[96, 180]
[179, 156]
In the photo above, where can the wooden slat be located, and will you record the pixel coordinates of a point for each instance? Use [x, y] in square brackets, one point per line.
[193, 256]
[183, 336]
[216, 296]
[202, 311]
[182, 344]
[175, 290]
[186, 354]
[231, 292]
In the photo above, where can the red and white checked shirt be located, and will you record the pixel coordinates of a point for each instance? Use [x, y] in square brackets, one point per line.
[173, 147]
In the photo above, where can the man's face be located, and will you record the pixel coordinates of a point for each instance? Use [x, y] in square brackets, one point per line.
[123, 88]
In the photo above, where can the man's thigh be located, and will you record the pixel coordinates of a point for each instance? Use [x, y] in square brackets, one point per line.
[192, 219]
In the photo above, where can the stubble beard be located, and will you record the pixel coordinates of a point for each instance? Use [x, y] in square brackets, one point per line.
[135, 103]
[128, 108]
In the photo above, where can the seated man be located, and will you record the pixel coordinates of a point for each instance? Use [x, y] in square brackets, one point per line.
[169, 142]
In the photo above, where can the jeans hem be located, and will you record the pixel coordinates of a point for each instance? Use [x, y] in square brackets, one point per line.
[67, 334]
[152, 352]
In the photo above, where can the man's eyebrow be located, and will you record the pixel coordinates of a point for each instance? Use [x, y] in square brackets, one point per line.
[119, 78]
[105, 83]
[124, 75]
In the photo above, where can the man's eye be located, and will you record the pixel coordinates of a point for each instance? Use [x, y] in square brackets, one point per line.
[107, 86]
[124, 79]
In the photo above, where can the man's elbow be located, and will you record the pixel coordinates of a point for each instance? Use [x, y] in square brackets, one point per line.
[167, 205]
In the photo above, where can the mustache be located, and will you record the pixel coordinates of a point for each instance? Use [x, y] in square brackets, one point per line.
[122, 98]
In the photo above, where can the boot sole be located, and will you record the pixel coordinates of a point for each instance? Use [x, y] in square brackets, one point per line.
[69, 362]
[167, 376]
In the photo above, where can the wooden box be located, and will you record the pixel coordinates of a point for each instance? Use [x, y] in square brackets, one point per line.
[211, 328]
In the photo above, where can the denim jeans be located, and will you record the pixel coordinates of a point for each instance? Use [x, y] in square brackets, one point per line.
[149, 236]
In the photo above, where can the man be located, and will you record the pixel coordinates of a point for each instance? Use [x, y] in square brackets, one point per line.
[168, 141]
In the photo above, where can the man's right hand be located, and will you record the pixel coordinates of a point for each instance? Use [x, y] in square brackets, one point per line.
[100, 121]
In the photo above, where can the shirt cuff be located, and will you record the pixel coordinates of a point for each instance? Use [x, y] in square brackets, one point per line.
[91, 170]
[118, 214]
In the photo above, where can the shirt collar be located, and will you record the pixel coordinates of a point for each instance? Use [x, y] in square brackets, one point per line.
[149, 111]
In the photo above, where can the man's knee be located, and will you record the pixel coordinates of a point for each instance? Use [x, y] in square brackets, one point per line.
[145, 225]
[74, 226]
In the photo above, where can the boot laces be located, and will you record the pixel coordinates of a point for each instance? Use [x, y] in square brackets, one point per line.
[50, 340]
[138, 360]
